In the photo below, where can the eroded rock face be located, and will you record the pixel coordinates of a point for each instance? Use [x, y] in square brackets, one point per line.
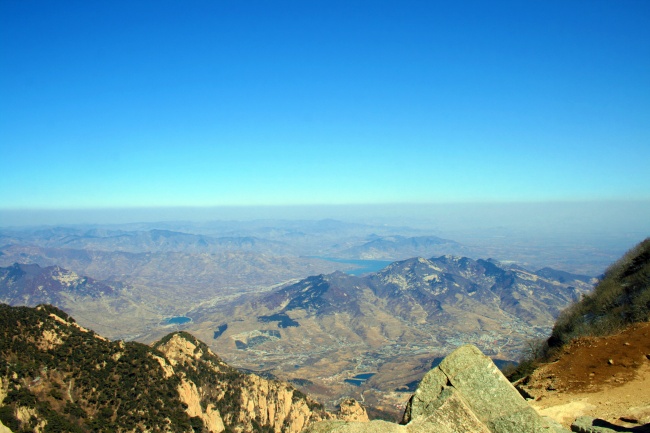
[221, 396]
[466, 392]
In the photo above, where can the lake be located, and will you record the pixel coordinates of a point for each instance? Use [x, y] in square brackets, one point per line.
[359, 379]
[177, 320]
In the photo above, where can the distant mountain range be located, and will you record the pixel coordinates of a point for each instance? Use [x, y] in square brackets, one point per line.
[425, 290]
[401, 247]
[314, 238]
[154, 240]
[328, 328]
[331, 327]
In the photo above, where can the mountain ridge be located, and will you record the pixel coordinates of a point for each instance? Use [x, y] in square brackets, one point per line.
[57, 376]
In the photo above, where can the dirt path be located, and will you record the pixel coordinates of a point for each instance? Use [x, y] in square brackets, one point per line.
[607, 378]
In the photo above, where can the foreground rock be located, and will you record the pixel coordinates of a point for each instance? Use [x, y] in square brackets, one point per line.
[465, 393]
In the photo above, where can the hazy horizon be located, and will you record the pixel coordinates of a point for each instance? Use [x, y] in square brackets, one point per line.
[541, 217]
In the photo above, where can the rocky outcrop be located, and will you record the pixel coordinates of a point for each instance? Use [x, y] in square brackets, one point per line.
[4, 429]
[466, 392]
[351, 410]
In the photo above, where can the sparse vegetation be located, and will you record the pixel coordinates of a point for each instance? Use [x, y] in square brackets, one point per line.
[621, 298]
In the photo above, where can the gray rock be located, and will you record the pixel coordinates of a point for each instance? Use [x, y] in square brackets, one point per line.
[355, 427]
[465, 393]
[487, 393]
[448, 414]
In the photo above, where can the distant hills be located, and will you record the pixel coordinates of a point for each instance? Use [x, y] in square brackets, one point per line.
[401, 247]
[32, 285]
[317, 238]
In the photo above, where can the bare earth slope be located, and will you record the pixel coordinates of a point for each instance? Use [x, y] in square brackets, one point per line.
[603, 377]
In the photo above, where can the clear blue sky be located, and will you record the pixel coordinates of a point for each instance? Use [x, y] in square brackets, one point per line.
[202, 103]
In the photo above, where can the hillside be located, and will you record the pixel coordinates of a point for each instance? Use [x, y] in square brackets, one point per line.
[403, 247]
[621, 297]
[56, 376]
[597, 360]
[160, 284]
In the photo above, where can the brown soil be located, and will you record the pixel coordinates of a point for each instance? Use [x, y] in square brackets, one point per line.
[604, 377]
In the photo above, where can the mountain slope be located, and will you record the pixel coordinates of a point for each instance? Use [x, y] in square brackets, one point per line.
[597, 360]
[620, 298]
[32, 285]
[57, 376]
[603, 377]
[159, 285]
[419, 290]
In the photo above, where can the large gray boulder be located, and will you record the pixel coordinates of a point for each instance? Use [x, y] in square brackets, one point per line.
[465, 393]
[485, 390]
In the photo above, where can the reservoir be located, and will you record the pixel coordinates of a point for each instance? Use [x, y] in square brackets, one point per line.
[176, 320]
[362, 266]
[359, 379]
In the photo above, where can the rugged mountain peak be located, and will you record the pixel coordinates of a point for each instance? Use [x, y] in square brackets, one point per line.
[416, 266]
[183, 348]
[320, 294]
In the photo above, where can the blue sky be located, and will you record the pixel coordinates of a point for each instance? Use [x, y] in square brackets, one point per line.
[209, 103]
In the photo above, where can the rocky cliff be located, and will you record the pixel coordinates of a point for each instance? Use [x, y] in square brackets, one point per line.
[251, 401]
